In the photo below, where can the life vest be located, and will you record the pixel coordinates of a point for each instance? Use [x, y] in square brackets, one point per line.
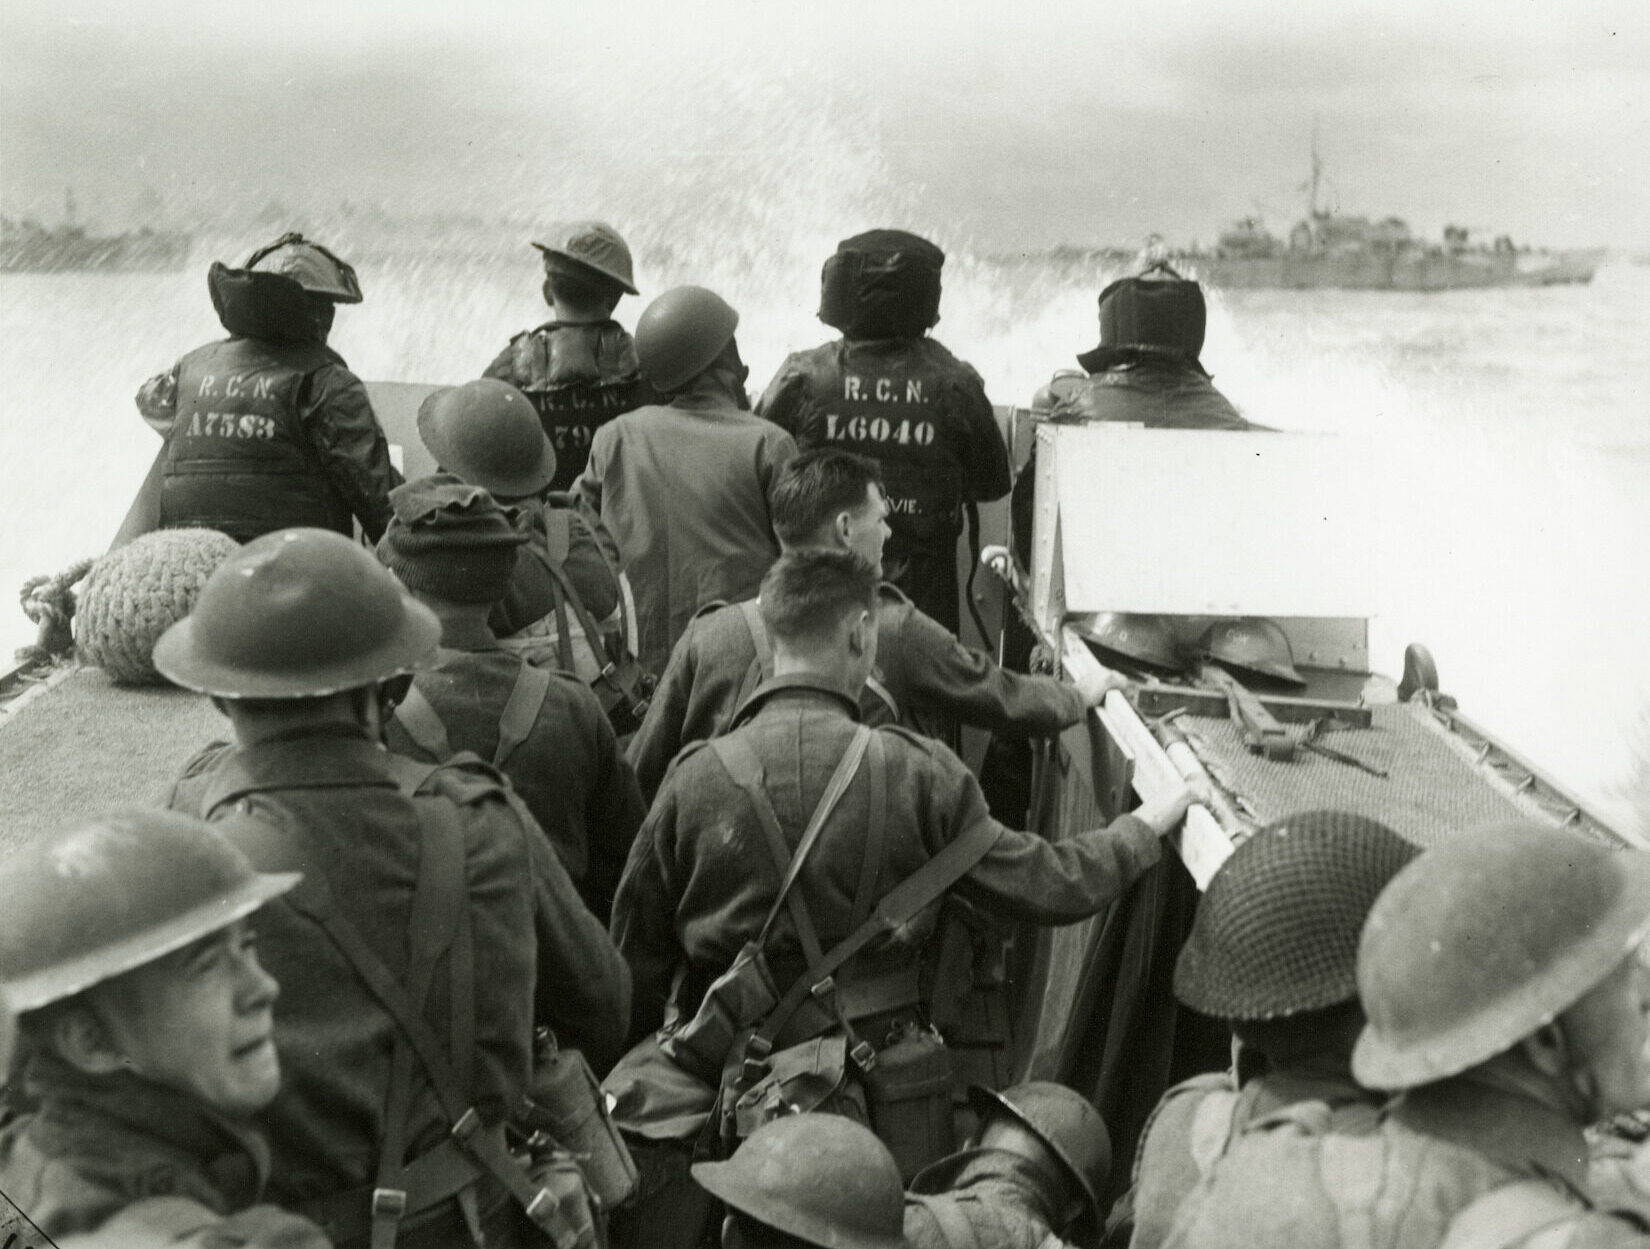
[237, 459]
[887, 402]
[578, 377]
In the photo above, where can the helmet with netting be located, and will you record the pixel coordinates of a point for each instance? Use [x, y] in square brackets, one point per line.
[1277, 931]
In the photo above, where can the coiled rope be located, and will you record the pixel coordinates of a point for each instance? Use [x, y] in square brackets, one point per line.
[49, 602]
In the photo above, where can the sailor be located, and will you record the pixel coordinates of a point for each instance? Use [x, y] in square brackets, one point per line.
[302, 639]
[148, 1037]
[808, 1180]
[888, 391]
[579, 368]
[1506, 1000]
[925, 678]
[1146, 369]
[682, 488]
[706, 864]
[454, 548]
[1273, 954]
[269, 428]
[1031, 1176]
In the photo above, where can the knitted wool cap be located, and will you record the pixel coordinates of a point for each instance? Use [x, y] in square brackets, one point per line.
[451, 540]
[136, 592]
[1277, 931]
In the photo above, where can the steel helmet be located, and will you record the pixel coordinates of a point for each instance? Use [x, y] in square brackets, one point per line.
[488, 433]
[298, 613]
[595, 245]
[680, 333]
[1065, 1121]
[310, 265]
[1485, 938]
[1277, 930]
[110, 895]
[1253, 646]
[819, 1177]
[1136, 636]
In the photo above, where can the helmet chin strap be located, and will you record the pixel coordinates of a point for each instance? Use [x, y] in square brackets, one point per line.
[1578, 1078]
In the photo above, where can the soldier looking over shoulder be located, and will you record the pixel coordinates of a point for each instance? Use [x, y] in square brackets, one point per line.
[888, 391]
[578, 369]
[269, 428]
[435, 918]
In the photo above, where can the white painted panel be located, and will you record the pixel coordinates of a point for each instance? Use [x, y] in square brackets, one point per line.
[1194, 522]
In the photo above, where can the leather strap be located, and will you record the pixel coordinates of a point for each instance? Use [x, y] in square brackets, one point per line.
[876, 835]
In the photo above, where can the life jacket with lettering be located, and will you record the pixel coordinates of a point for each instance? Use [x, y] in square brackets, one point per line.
[237, 459]
[578, 377]
[891, 401]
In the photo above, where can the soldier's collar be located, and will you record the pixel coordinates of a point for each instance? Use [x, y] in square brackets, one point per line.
[1478, 1113]
[322, 758]
[799, 683]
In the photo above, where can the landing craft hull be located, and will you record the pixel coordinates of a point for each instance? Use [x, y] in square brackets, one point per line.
[1091, 1005]
[1376, 270]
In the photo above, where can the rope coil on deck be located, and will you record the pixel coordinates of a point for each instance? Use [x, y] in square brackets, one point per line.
[49, 602]
[138, 591]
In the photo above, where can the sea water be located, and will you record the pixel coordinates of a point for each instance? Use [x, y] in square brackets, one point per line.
[1515, 542]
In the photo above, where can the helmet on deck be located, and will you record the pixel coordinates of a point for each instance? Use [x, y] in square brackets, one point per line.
[299, 613]
[1135, 636]
[488, 433]
[821, 1178]
[681, 333]
[595, 245]
[1277, 930]
[110, 895]
[1488, 936]
[1251, 646]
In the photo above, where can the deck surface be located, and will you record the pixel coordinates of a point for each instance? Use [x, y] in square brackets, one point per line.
[1429, 791]
[87, 744]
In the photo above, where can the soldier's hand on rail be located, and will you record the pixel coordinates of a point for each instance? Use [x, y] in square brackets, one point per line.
[998, 560]
[1202, 790]
[1165, 811]
[1093, 686]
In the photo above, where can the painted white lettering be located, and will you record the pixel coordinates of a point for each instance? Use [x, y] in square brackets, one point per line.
[885, 389]
[233, 387]
[208, 386]
[913, 391]
[263, 388]
[832, 433]
[924, 432]
[879, 429]
[850, 386]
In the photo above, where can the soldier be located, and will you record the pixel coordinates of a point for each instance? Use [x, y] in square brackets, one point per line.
[1033, 1175]
[579, 368]
[683, 488]
[304, 640]
[148, 1034]
[269, 428]
[455, 548]
[925, 678]
[911, 817]
[484, 433]
[808, 1180]
[1146, 369]
[1273, 954]
[1501, 976]
[887, 391]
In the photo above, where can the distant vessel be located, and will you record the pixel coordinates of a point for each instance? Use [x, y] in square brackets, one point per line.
[1355, 253]
[26, 246]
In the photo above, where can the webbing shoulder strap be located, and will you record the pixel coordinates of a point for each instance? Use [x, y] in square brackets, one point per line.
[558, 529]
[1526, 1213]
[568, 594]
[762, 669]
[746, 770]
[896, 908]
[521, 712]
[419, 720]
[1214, 1124]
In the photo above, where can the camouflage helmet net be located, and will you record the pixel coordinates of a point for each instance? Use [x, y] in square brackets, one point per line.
[1277, 931]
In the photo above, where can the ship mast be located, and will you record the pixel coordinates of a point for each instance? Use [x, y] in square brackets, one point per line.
[1317, 169]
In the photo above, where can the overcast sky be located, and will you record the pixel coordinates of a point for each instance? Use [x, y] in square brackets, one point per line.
[1011, 124]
